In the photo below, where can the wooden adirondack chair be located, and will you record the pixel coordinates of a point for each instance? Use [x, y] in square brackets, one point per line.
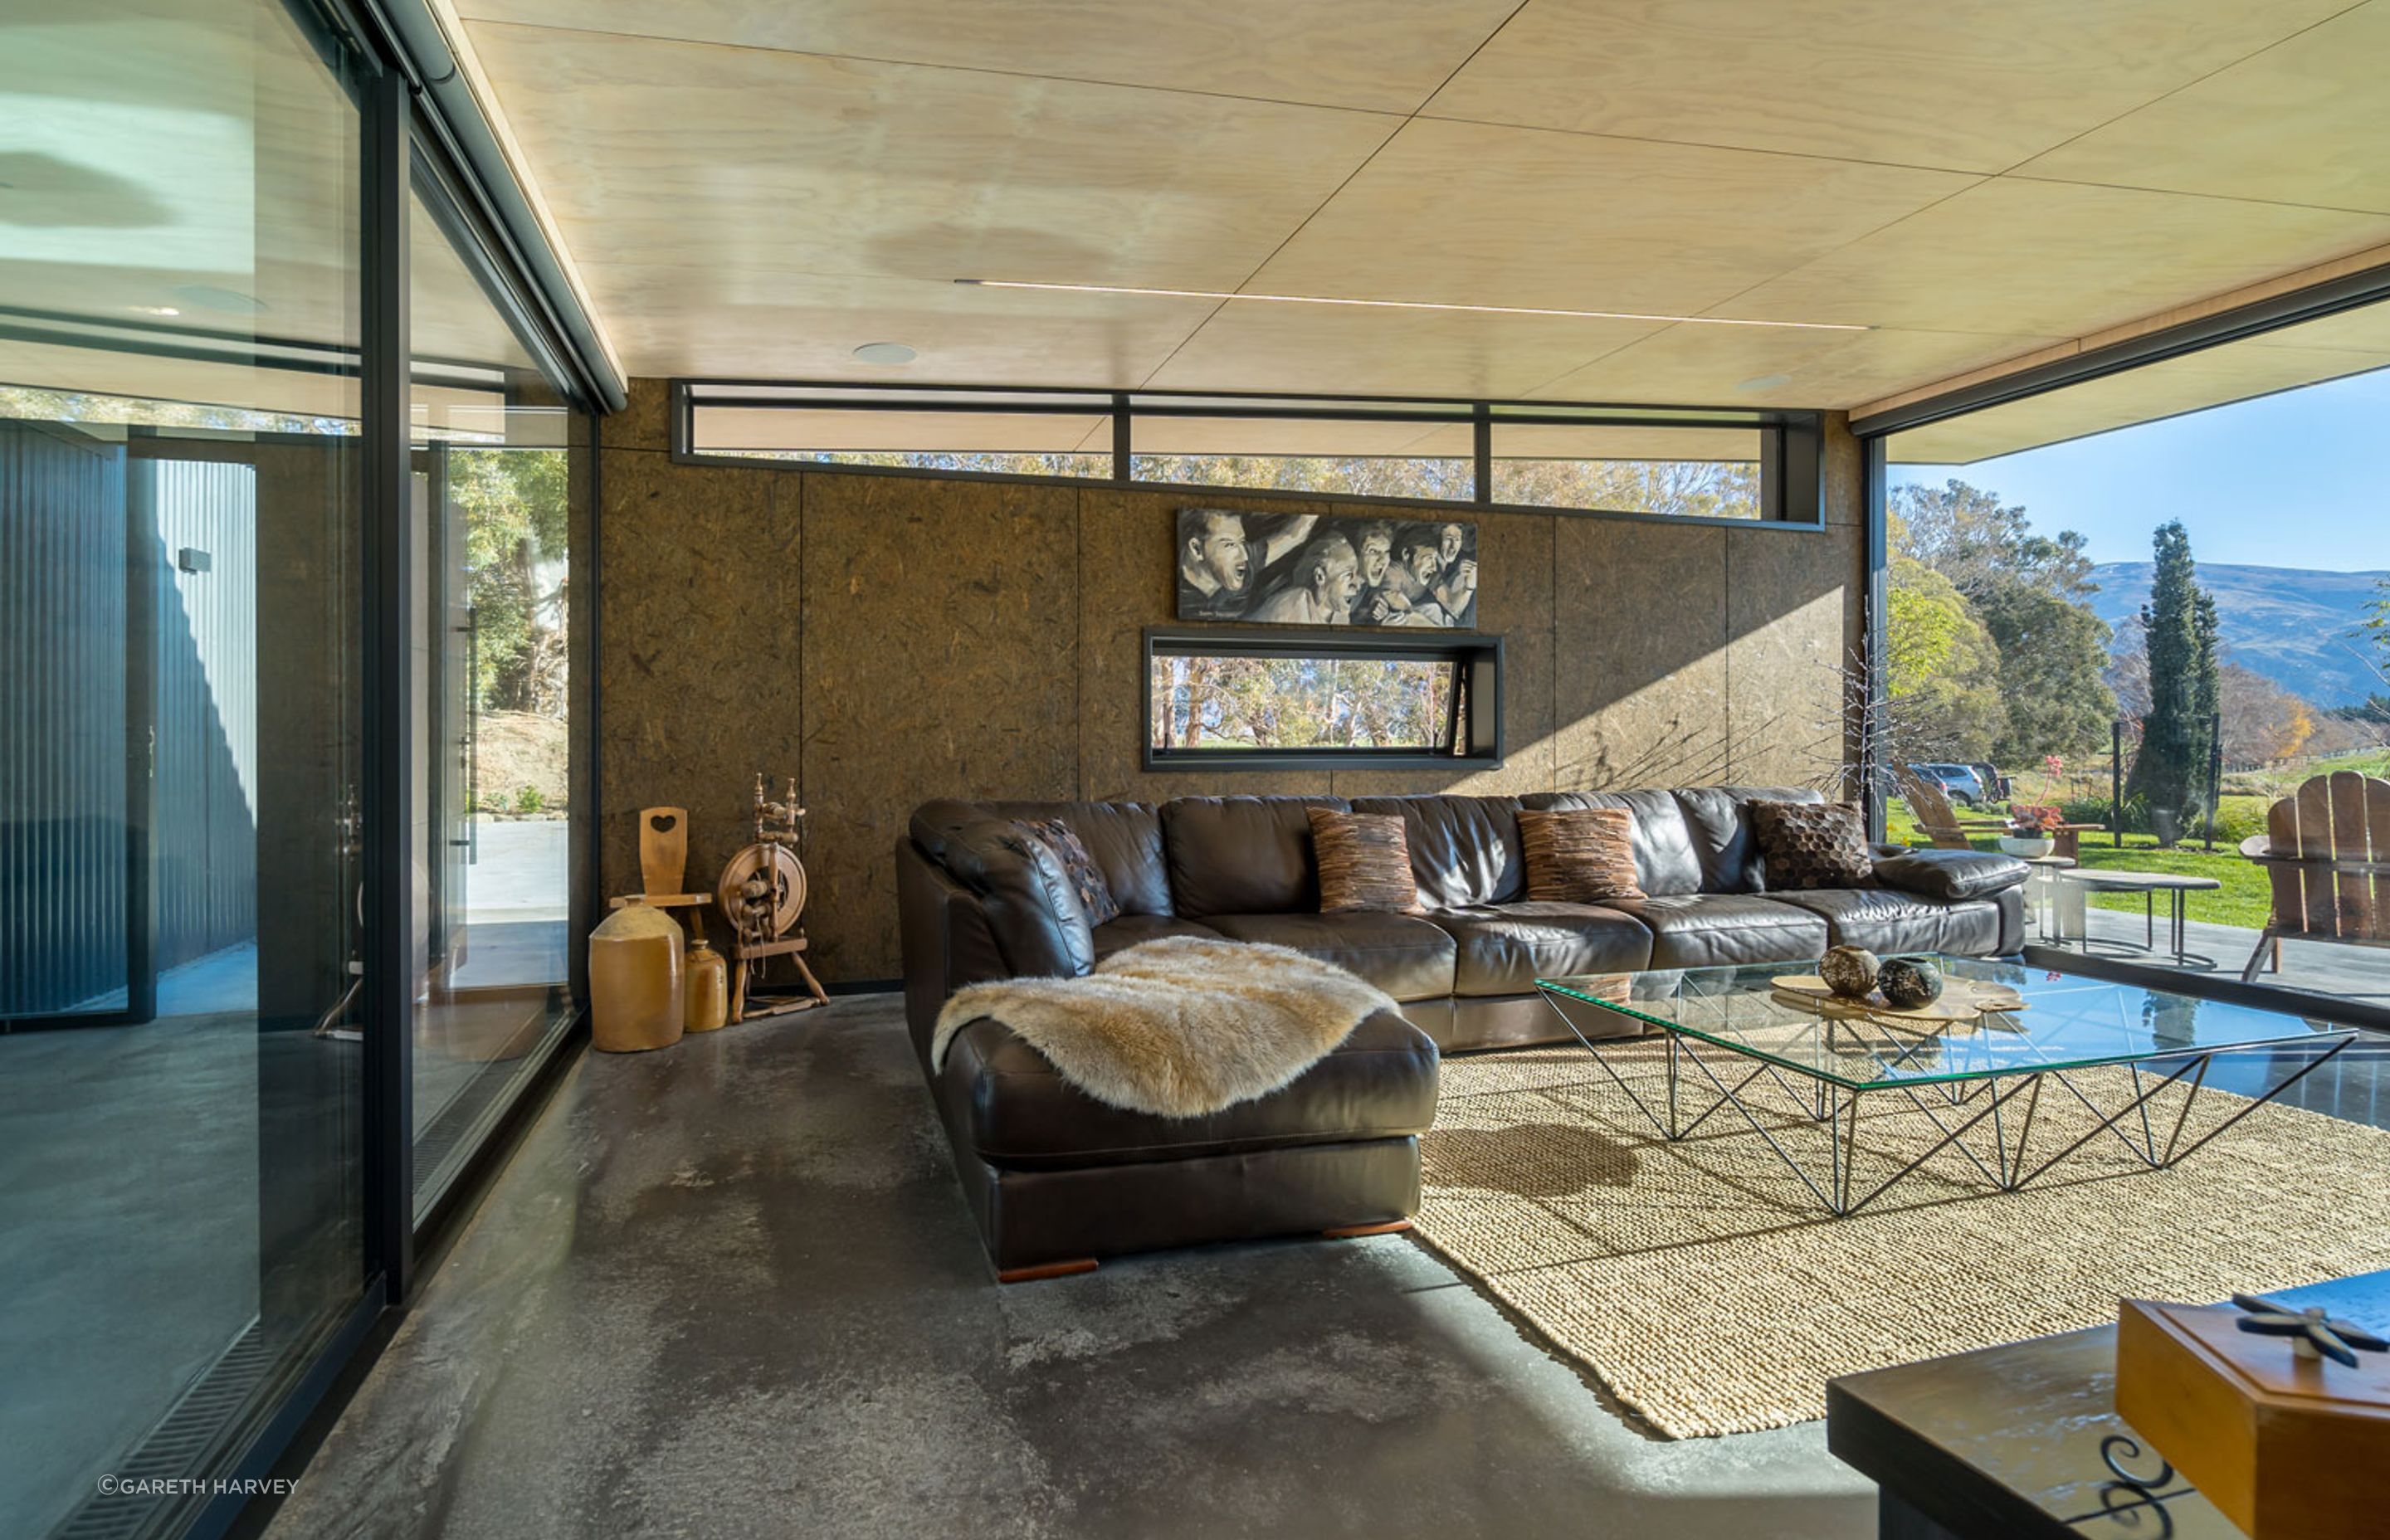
[1931, 807]
[2327, 851]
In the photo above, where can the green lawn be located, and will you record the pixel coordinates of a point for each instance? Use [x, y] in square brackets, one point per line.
[2243, 899]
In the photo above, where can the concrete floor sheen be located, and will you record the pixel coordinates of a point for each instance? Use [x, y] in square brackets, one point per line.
[731, 1289]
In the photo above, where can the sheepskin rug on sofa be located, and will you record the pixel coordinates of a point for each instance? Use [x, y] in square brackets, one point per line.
[1177, 1027]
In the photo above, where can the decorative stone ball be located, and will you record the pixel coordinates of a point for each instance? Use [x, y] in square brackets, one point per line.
[1849, 972]
[1908, 982]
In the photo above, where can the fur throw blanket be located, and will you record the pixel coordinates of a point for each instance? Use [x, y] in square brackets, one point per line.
[1177, 1027]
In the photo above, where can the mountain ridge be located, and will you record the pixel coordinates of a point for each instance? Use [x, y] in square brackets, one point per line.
[2289, 624]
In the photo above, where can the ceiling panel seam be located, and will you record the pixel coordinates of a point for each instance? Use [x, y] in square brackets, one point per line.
[953, 69]
[2254, 53]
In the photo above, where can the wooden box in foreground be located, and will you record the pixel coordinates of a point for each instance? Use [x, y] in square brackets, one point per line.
[2287, 1448]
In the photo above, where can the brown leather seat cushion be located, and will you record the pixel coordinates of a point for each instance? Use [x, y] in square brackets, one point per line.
[1885, 920]
[1129, 930]
[1503, 949]
[1016, 1111]
[1403, 954]
[1714, 930]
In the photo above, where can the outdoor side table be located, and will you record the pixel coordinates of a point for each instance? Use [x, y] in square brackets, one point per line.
[2176, 886]
[2047, 900]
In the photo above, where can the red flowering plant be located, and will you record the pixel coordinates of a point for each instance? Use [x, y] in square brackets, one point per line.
[2027, 821]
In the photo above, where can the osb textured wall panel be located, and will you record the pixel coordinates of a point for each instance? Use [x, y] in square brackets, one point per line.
[941, 637]
[945, 637]
[1128, 582]
[1640, 626]
[1843, 471]
[1790, 600]
[1515, 601]
[699, 652]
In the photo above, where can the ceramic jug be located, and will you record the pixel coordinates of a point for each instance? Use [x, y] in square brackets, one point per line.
[709, 987]
[636, 989]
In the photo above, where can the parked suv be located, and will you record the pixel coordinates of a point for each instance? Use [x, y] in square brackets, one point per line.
[1960, 783]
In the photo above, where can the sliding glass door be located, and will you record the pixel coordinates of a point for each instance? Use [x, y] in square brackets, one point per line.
[181, 1124]
[225, 1101]
[490, 729]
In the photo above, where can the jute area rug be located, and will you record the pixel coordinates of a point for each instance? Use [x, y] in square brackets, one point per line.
[1706, 1288]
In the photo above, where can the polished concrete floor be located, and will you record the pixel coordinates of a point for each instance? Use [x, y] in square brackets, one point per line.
[731, 1290]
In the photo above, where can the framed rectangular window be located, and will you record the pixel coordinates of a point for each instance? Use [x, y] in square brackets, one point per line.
[1642, 462]
[1703, 472]
[1234, 700]
[1058, 433]
[1423, 454]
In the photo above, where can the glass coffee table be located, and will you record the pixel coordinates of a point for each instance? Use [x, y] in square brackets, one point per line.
[1736, 1043]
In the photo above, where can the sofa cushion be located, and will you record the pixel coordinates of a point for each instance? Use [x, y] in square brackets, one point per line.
[1504, 949]
[1129, 930]
[1714, 930]
[1886, 920]
[1241, 855]
[1032, 909]
[1125, 838]
[1364, 862]
[1086, 878]
[1579, 854]
[1718, 817]
[1665, 862]
[1810, 845]
[1464, 849]
[1403, 954]
[1951, 873]
[1014, 1111]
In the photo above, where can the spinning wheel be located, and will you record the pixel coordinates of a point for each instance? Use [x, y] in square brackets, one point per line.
[762, 893]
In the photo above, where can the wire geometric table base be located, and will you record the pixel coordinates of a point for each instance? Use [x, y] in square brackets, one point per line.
[1988, 1119]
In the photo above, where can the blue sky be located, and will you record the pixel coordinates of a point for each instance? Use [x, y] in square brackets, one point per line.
[2301, 479]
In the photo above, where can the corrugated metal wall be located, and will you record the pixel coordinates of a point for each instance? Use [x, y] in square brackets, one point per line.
[62, 681]
[203, 872]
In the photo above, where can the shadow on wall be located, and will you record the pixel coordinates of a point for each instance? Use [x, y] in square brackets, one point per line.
[894, 638]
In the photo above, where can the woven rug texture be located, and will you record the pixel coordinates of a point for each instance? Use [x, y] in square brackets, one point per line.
[1705, 1287]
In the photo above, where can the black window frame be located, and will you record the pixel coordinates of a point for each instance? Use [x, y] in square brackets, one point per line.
[1478, 738]
[1792, 442]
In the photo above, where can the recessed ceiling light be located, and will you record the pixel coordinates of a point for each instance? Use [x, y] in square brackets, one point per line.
[1409, 304]
[885, 352]
[1763, 382]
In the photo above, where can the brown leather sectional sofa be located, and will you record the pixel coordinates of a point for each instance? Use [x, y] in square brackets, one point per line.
[1054, 1176]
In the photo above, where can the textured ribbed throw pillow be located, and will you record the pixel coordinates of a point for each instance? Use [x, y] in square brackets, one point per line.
[1580, 855]
[1813, 844]
[1365, 861]
[1086, 878]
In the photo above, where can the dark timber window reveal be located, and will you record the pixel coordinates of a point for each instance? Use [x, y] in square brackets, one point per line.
[1232, 699]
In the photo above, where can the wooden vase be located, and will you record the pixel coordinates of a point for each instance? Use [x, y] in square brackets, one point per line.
[637, 994]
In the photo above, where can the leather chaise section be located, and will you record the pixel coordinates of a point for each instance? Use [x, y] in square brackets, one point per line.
[1129, 930]
[1504, 949]
[1720, 930]
[1403, 954]
[1379, 1082]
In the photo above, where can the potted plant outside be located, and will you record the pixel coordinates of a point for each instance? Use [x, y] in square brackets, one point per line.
[2032, 831]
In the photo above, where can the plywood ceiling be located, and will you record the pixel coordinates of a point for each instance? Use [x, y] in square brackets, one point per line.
[752, 187]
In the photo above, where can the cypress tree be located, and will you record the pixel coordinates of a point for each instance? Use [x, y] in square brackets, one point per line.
[2179, 627]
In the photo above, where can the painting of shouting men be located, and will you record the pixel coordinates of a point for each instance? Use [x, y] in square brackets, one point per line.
[1308, 569]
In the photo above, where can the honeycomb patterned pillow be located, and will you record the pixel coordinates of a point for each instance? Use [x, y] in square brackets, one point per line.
[1813, 844]
[1086, 878]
